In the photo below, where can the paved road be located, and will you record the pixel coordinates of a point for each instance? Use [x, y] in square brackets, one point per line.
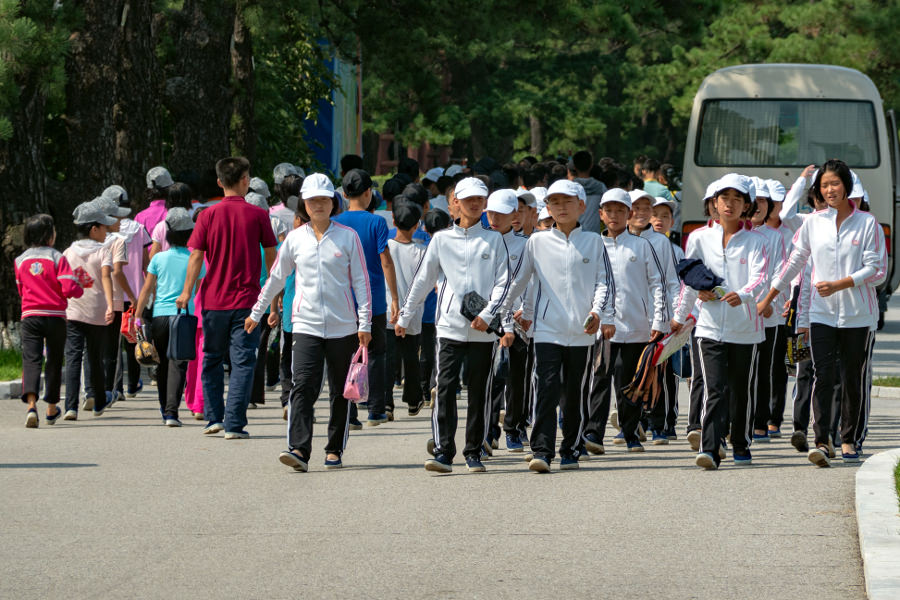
[122, 507]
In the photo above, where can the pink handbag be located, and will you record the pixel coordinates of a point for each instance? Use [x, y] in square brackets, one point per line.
[356, 388]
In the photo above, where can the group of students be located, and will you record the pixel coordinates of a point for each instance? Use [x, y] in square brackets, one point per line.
[470, 279]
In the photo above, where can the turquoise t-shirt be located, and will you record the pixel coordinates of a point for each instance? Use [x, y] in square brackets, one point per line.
[170, 269]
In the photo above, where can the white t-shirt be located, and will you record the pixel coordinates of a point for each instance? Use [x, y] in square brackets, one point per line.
[388, 217]
[406, 259]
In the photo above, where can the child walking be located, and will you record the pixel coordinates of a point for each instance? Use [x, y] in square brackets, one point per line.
[327, 261]
[165, 280]
[88, 316]
[45, 282]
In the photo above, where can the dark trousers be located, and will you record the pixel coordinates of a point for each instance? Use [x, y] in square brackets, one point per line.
[514, 394]
[171, 374]
[310, 355]
[530, 387]
[557, 366]
[664, 414]
[408, 351]
[728, 373]
[38, 334]
[803, 399]
[223, 330]
[377, 354]
[286, 366]
[428, 346]
[778, 394]
[84, 341]
[845, 350]
[392, 365]
[112, 357]
[134, 368]
[617, 371]
[765, 380]
[696, 388]
[451, 355]
[497, 393]
[273, 358]
[258, 391]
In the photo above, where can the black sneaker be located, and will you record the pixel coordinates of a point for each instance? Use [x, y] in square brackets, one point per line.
[439, 464]
[414, 409]
[798, 441]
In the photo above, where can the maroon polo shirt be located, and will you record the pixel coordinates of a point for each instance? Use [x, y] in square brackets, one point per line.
[231, 233]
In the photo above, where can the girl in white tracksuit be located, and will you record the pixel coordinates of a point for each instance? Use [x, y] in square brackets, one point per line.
[329, 273]
[728, 330]
[642, 312]
[570, 271]
[847, 252]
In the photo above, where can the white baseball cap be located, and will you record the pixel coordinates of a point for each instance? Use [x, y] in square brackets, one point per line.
[776, 190]
[858, 191]
[260, 187]
[659, 201]
[159, 177]
[317, 184]
[91, 212]
[761, 187]
[453, 170]
[616, 195]
[710, 190]
[734, 181]
[503, 202]
[527, 196]
[282, 170]
[469, 187]
[257, 200]
[544, 214]
[179, 219]
[566, 188]
[636, 195]
[434, 174]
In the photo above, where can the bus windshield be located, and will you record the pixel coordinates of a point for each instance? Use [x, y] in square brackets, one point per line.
[786, 133]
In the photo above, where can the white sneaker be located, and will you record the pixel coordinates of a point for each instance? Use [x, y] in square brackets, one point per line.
[539, 465]
[213, 428]
[237, 435]
[71, 415]
[693, 438]
[614, 420]
[88, 403]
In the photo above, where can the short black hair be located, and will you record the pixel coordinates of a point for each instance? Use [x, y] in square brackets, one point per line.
[409, 166]
[209, 186]
[436, 220]
[769, 206]
[231, 170]
[289, 186]
[512, 173]
[443, 184]
[640, 159]
[304, 216]
[39, 230]
[583, 161]
[179, 195]
[651, 165]
[192, 179]
[406, 213]
[417, 193]
[557, 172]
[533, 176]
[84, 229]
[839, 168]
[178, 238]
[350, 162]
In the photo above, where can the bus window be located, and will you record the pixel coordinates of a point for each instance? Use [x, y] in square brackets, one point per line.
[786, 133]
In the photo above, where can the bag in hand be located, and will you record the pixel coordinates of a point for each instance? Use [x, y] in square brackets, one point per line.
[127, 321]
[356, 387]
[144, 351]
[182, 337]
[472, 305]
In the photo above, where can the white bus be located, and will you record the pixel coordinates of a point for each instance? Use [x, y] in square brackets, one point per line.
[772, 120]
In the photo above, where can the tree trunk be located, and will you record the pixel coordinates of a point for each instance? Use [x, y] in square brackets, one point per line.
[244, 129]
[198, 90]
[537, 136]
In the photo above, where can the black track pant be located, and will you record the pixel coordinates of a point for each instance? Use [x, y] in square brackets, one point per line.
[803, 399]
[84, 340]
[765, 379]
[450, 358]
[286, 365]
[779, 379]
[39, 333]
[428, 345]
[310, 354]
[728, 372]
[557, 366]
[515, 390]
[171, 375]
[258, 391]
[407, 349]
[618, 371]
[845, 350]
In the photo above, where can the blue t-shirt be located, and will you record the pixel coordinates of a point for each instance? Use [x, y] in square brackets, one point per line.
[286, 303]
[170, 269]
[373, 234]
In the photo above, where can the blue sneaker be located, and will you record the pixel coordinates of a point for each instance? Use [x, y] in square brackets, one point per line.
[133, 390]
[523, 437]
[760, 437]
[474, 465]
[376, 419]
[635, 446]
[354, 425]
[568, 463]
[513, 444]
[775, 433]
[742, 459]
[671, 434]
[659, 438]
[333, 464]
[583, 455]
[859, 448]
[486, 449]
[594, 444]
[850, 457]
[619, 439]
[439, 464]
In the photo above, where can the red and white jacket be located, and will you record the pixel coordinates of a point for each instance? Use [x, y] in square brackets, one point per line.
[45, 281]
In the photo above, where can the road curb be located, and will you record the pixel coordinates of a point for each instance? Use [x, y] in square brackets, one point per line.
[10, 389]
[878, 521]
[885, 392]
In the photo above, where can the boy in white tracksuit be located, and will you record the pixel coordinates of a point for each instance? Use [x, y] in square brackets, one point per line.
[638, 281]
[728, 330]
[639, 225]
[468, 257]
[574, 299]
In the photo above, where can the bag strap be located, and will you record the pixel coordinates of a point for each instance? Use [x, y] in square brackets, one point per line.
[365, 355]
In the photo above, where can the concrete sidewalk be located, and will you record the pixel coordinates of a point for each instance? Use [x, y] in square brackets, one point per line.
[122, 507]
